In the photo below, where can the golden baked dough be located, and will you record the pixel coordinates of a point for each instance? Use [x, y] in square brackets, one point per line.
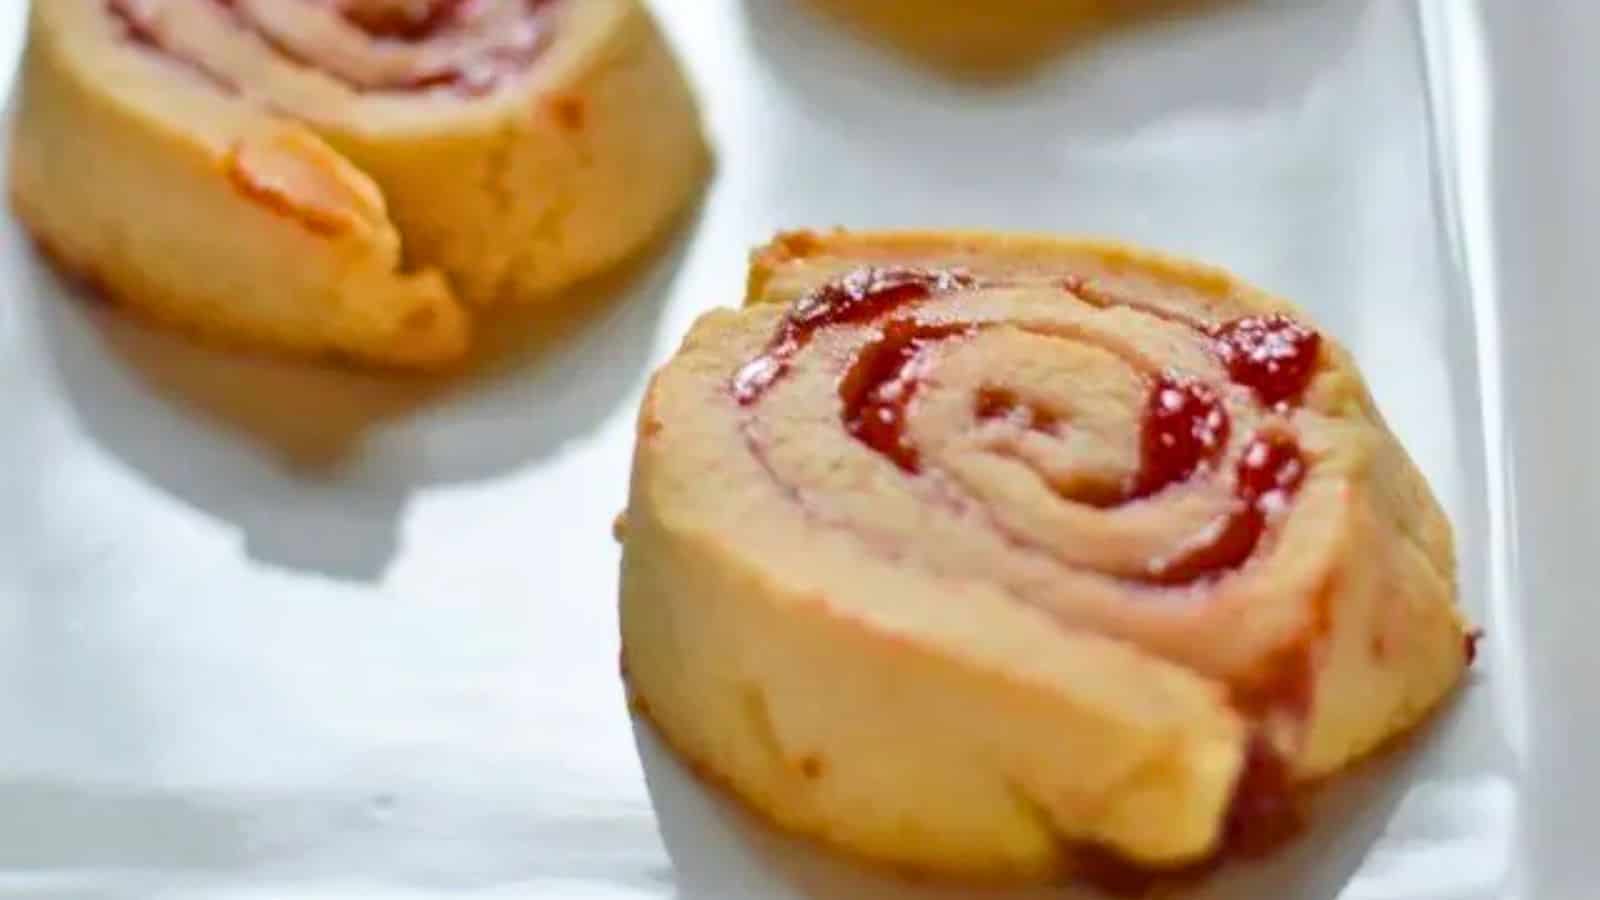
[995, 37]
[347, 177]
[959, 551]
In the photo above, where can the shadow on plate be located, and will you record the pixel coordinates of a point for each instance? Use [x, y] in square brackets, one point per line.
[1226, 56]
[53, 828]
[315, 464]
[719, 849]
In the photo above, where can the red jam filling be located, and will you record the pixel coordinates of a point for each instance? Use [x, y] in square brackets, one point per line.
[1223, 546]
[861, 296]
[1184, 430]
[1184, 427]
[404, 20]
[878, 389]
[864, 295]
[1274, 355]
[1269, 472]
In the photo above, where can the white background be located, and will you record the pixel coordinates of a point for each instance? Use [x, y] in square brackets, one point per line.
[268, 630]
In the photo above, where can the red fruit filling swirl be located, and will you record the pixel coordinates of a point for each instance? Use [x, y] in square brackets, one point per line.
[406, 20]
[862, 296]
[878, 389]
[1269, 471]
[1184, 427]
[371, 45]
[1274, 355]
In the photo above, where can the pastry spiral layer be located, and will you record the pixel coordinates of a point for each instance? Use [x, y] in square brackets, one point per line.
[961, 550]
[347, 176]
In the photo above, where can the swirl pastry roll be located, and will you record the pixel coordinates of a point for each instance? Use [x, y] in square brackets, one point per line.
[987, 555]
[994, 38]
[347, 177]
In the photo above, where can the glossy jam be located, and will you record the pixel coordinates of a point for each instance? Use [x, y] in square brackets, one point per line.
[1184, 430]
[876, 393]
[863, 295]
[1269, 472]
[1274, 355]
[1224, 545]
[1184, 427]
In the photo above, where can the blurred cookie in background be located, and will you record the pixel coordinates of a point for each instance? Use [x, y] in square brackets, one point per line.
[997, 38]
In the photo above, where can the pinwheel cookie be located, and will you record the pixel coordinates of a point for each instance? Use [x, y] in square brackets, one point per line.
[347, 177]
[994, 37]
[970, 553]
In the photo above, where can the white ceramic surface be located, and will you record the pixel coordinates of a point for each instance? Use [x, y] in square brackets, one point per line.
[273, 631]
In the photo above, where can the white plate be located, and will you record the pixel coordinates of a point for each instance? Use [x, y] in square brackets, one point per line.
[272, 631]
